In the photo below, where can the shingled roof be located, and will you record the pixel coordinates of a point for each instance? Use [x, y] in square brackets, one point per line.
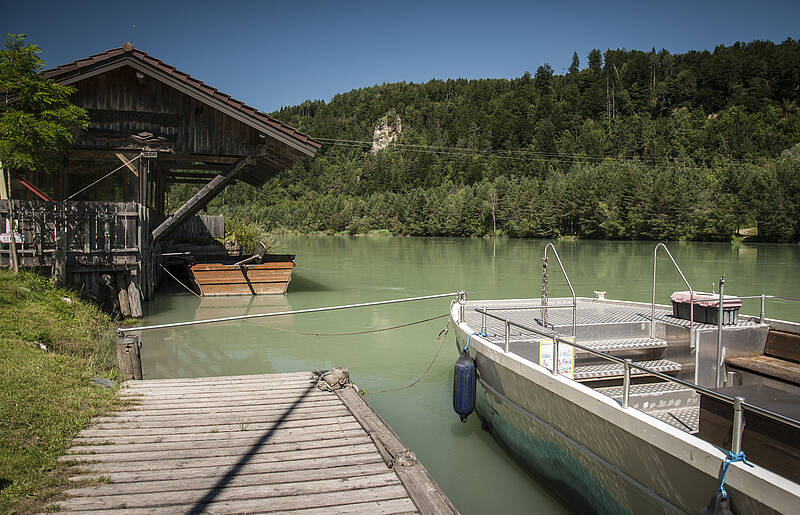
[127, 54]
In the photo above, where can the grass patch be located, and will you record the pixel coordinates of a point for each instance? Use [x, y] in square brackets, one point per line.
[46, 396]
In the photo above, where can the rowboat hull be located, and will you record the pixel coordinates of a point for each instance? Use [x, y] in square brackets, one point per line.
[599, 457]
[269, 278]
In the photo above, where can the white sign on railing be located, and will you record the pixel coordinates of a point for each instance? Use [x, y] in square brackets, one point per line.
[5, 238]
[566, 356]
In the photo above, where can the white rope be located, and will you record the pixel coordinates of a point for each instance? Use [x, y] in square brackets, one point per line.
[104, 177]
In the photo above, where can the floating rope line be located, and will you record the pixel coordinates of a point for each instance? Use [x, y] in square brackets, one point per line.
[354, 333]
[441, 338]
[179, 282]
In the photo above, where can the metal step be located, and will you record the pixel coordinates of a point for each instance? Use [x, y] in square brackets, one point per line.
[655, 396]
[610, 370]
[627, 344]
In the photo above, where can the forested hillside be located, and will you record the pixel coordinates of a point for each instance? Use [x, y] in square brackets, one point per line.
[626, 145]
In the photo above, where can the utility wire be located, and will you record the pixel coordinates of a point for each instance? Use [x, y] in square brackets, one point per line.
[530, 155]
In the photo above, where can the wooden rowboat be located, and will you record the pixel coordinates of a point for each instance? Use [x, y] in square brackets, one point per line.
[271, 277]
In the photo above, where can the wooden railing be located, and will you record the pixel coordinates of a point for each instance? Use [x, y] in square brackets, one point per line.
[97, 234]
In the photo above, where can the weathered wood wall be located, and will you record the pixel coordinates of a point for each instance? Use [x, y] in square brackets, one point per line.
[199, 227]
[120, 104]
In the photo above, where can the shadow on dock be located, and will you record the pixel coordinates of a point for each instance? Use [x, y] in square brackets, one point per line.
[212, 494]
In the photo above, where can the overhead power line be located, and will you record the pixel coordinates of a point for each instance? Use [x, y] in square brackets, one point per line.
[522, 154]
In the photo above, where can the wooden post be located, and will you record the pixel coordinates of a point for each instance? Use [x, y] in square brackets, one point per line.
[135, 298]
[60, 262]
[122, 294]
[129, 357]
[5, 193]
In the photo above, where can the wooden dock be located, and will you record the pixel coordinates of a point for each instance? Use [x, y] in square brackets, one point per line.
[247, 444]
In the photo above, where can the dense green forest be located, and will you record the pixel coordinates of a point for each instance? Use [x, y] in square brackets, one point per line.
[633, 145]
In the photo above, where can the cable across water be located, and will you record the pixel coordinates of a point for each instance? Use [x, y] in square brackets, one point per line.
[124, 330]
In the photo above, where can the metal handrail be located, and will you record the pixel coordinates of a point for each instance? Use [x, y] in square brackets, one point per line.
[763, 297]
[699, 389]
[691, 295]
[569, 283]
[534, 306]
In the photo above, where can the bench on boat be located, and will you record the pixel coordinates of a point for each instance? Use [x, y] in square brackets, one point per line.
[781, 358]
[773, 444]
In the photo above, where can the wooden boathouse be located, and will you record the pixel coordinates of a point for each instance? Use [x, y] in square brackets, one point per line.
[101, 224]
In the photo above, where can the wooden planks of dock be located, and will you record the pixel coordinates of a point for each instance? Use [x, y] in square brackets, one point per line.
[246, 444]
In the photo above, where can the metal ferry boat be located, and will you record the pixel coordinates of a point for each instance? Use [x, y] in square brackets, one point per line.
[644, 409]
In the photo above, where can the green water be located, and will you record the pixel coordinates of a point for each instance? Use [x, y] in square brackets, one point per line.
[466, 462]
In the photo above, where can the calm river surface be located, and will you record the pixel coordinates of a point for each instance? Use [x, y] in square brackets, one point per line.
[467, 463]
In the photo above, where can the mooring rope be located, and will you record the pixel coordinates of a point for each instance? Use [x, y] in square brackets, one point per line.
[441, 338]
[353, 333]
[179, 282]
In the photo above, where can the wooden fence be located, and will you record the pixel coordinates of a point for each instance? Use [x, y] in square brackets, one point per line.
[98, 234]
[107, 245]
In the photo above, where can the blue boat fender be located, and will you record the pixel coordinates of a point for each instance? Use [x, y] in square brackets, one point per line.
[464, 384]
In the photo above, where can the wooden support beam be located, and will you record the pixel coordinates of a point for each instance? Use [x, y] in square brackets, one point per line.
[127, 162]
[200, 199]
[192, 174]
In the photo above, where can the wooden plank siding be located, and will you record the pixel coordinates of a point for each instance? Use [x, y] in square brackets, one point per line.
[120, 104]
[201, 227]
[260, 443]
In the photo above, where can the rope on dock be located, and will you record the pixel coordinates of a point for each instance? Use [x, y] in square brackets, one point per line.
[353, 333]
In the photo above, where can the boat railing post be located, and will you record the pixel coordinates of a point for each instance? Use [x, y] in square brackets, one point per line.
[738, 426]
[718, 368]
[555, 355]
[691, 320]
[507, 337]
[574, 312]
[626, 384]
[653, 303]
[462, 302]
[761, 318]
[483, 321]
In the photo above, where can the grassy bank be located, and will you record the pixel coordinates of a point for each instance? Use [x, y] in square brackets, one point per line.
[46, 394]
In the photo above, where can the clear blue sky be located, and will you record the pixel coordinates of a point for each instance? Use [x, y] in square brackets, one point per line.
[270, 54]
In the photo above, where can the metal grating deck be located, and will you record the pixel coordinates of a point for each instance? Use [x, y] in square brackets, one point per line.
[624, 345]
[644, 389]
[606, 370]
[588, 312]
[686, 419]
